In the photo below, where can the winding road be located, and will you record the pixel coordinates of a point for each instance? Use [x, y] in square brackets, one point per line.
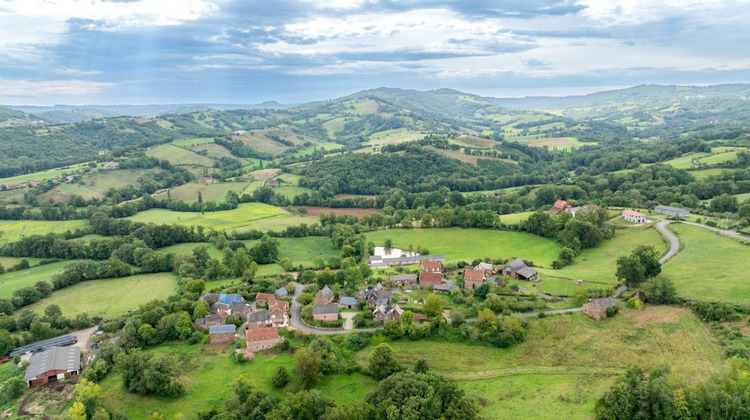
[674, 242]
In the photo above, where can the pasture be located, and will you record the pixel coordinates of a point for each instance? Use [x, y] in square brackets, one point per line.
[243, 215]
[396, 136]
[12, 230]
[209, 192]
[95, 185]
[14, 280]
[42, 175]
[467, 244]
[209, 374]
[569, 361]
[560, 143]
[719, 158]
[193, 142]
[110, 297]
[696, 278]
[290, 191]
[463, 157]
[214, 151]
[179, 156]
[686, 162]
[598, 265]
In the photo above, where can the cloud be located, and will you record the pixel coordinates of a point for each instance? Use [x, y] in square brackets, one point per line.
[49, 90]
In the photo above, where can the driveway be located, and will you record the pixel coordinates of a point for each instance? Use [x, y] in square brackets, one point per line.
[83, 337]
[674, 243]
[349, 317]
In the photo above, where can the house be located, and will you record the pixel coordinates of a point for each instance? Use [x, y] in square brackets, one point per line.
[53, 364]
[597, 308]
[361, 295]
[35, 183]
[238, 309]
[487, 267]
[324, 296]
[211, 298]
[379, 297]
[633, 216]
[280, 293]
[582, 210]
[94, 170]
[638, 295]
[559, 207]
[239, 133]
[672, 211]
[262, 339]
[473, 278]
[111, 165]
[404, 279]
[259, 319]
[261, 299]
[379, 261]
[229, 298]
[70, 178]
[273, 183]
[81, 170]
[220, 309]
[419, 317]
[278, 310]
[430, 278]
[431, 266]
[221, 334]
[519, 270]
[327, 313]
[209, 320]
[347, 302]
[387, 313]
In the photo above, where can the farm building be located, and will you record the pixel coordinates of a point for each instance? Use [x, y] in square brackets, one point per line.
[431, 266]
[376, 261]
[633, 216]
[582, 210]
[261, 299]
[111, 165]
[519, 270]
[238, 309]
[672, 211]
[430, 278]
[446, 287]
[62, 341]
[324, 296]
[326, 312]
[473, 278]
[638, 295]
[273, 183]
[487, 267]
[261, 339]
[347, 302]
[259, 319]
[209, 320]
[404, 279]
[387, 313]
[228, 298]
[597, 308]
[278, 310]
[220, 334]
[53, 364]
[559, 207]
[280, 293]
[361, 295]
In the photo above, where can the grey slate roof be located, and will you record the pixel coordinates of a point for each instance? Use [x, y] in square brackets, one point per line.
[517, 264]
[349, 301]
[326, 292]
[222, 329]
[259, 316]
[280, 292]
[210, 297]
[61, 341]
[405, 278]
[604, 303]
[326, 309]
[527, 272]
[54, 358]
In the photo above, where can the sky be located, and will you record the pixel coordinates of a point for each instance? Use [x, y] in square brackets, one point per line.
[292, 51]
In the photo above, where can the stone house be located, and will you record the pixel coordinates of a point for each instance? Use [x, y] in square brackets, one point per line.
[597, 308]
[328, 313]
[261, 339]
[221, 334]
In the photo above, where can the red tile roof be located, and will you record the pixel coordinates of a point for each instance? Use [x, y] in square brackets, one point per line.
[634, 213]
[264, 296]
[261, 334]
[432, 278]
[474, 274]
[561, 204]
[280, 305]
[431, 265]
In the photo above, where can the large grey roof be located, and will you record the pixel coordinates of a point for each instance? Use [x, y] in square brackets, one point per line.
[326, 309]
[281, 291]
[526, 272]
[54, 358]
[326, 292]
[517, 264]
[345, 300]
[61, 341]
[259, 316]
[404, 277]
[604, 303]
[222, 329]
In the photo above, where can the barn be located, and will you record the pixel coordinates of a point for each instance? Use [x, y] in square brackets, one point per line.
[53, 364]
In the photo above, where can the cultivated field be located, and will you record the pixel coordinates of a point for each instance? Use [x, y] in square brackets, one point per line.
[110, 297]
[467, 244]
[14, 280]
[214, 151]
[569, 361]
[694, 274]
[463, 157]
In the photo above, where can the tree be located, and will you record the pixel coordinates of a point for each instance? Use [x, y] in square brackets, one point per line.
[649, 258]
[12, 388]
[144, 373]
[420, 366]
[7, 343]
[280, 377]
[433, 306]
[307, 368]
[89, 394]
[382, 363]
[661, 290]
[303, 405]
[77, 411]
[629, 268]
[52, 311]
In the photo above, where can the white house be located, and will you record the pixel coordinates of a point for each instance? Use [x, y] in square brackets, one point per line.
[633, 216]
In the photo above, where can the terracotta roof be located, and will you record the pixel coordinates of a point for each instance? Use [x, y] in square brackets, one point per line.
[633, 213]
[474, 274]
[261, 334]
[561, 204]
[276, 304]
[434, 278]
[265, 296]
[430, 265]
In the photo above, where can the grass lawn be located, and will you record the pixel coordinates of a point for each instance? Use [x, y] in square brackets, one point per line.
[209, 374]
[705, 173]
[241, 216]
[8, 262]
[468, 244]
[12, 230]
[278, 223]
[188, 247]
[598, 265]
[10, 282]
[193, 142]
[179, 156]
[691, 276]
[110, 297]
[305, 250]
[569, 356]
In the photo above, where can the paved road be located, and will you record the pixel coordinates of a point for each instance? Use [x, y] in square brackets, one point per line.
[725, 232]
[298, 324]
[674, 243]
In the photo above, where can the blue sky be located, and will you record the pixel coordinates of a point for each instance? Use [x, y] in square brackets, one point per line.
[292, 51]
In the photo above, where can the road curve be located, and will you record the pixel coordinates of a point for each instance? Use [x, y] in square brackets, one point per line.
[298, 324]
[674, 243]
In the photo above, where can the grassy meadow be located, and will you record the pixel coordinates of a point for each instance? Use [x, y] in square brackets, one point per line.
[468, 244]
[110, 297]
[241, 216]
[211, 192]
[709, 266]
[95, 185]
[12, 230]
[179, 156]
[14, 280]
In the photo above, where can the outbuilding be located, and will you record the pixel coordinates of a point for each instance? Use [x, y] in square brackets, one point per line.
[220, 334]
[53, 364]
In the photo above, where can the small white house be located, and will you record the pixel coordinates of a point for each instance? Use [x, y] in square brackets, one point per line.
[633, 216]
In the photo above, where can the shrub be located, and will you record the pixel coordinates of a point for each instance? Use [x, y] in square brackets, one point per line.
[280, 377]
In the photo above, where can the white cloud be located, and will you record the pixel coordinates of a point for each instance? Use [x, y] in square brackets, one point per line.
[47, 91]
[629, 12]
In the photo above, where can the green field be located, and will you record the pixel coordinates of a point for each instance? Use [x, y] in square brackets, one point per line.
[179, 156]
[8, 262]
[110, 297]
[41, 176]
[685, 162]
[567, 362]
[290, 191]
[12, 230]
[719, 158]
[10, 282]
[211, 192]
[209, 374]
[193, 142]
[515, 218]
[598, 265]
[277, 223]
[467, 244]
[94, 185]
[241, 216]
[709, 266]
[705, 173]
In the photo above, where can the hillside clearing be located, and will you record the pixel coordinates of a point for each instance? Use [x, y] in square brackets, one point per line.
[14, 280]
